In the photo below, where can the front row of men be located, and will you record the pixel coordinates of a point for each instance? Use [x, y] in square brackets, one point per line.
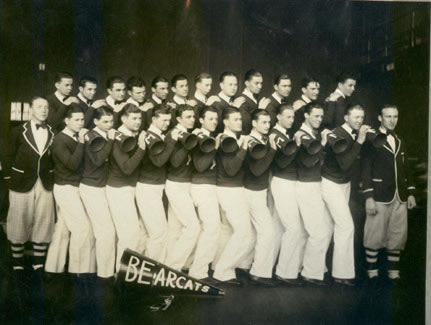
[109, 190]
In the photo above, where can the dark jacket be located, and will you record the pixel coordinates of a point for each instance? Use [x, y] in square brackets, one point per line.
[56, 113]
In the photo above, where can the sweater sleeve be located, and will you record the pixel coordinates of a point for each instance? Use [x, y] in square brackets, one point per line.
[259, 166]
[125, 163]
[203, 161]
[70, 159]
[98, 158]
[88, 116]
[346, 159]
[232, 163]
[178, 156]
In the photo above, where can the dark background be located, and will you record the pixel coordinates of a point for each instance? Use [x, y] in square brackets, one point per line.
[147, 38]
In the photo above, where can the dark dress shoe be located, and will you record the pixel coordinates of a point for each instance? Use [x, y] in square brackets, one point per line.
[210, 281]
[345, 282]
[262, 281]
[298, 282]
[315, 282]
[230, 283]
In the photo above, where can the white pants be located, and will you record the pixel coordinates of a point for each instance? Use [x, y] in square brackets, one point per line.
[232, 200]
[261, 218]
[149, 200]
[294, 236]
[336, 197]
[71, 212]
[225, 234]
[97, 207]
[318, 225]
[183, 224]
[205, 199]
[121, 202]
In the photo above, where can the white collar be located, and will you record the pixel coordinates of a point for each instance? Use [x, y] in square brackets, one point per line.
[201, 97]
[156, 130]
[308, 129]
[206, 132]
[102, 133]
[385, 131]
[181, 128]
[249, 95]
[179, 100]
[81, 97]
[227, 99]
[156, 99]
[33, 124]
[257, 136]
[277, 97]
[229, 133]
[130, 100]
[126, 131]
[69, 133]
[340, 92]
[349, 130]
[59, 96]
[305, 99]
[110, 101]
[281, 129]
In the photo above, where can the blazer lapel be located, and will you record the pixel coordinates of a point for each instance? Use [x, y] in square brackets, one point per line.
[48, 139]
[28, 136]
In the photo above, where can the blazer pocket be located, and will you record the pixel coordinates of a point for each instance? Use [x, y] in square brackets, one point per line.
[18, 170]
[377, 180]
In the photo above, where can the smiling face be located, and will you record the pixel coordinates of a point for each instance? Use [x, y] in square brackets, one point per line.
[347, 87]
[262, 124]
[312, 90]
[138, 94]
[315, 118]
[89, 90]
[209, 121]
[286, 118]
[355, 118]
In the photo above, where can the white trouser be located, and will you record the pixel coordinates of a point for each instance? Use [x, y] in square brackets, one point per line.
[97, 207]
[183, 224]
[149, 199]
[225, 234]
[121, 202]
[336, 197]
[205, 199]
[82, 257]
[318, 225]
[234, 204]
[294, 236]
[261, 218]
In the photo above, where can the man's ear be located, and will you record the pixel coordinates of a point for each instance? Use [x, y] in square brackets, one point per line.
[379, 118]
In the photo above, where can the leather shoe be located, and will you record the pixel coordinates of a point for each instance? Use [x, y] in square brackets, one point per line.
[262, 281]
[315, 282]
[298, 282]
[231, 283]
[210, 281]
[345, 282]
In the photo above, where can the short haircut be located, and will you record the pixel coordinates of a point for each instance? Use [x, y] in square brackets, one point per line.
[228, 111]
[72, 109]
[129, 109]
[352, 107]
[206, 109]
[342, 77]
[36, 98]
[310, 106]
[86, 79]
[160, 109]
[177, 78]
[279, 77]
[307, 80]
[180, 109]
[62, 75]
[158, 79]
[255, 114]
[227, 74]
[201, 76]
[388, 106]
[135, 82]
[114, 80]
[102, 111]
[251, 73]
[281, 108]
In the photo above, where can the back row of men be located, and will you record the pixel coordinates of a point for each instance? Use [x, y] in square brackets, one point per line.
[219, 211]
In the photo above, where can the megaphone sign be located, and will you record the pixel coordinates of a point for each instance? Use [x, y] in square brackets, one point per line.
[143, 271]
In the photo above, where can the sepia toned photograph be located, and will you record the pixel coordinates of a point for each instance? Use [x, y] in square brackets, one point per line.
[214, 162]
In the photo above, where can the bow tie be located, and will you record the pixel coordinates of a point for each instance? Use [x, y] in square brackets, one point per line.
[390, 133]
[89, 102]
[65, 98]
[283, 100]
[75, 136]
[265, 138]
[43, 126]
[118, 102]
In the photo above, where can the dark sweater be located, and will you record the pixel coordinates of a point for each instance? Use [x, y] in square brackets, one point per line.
[256, 171]
[56, 113]
[180, 164]
[204, 171]
[338, 167]
[123, 166]
[283, 166]
[245, 109]
[68, 157]
[220, 106]
[229, 168]
[96, 163]
[334, 113]
[309, 172]
[153, 168]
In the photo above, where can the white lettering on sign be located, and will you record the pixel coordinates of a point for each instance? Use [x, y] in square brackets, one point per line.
[160, 278]
[132, 269]
[146, 270]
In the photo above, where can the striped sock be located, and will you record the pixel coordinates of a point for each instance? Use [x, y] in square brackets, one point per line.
[17, 251]
[371, 257]
[393, 264]
[39, 253]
